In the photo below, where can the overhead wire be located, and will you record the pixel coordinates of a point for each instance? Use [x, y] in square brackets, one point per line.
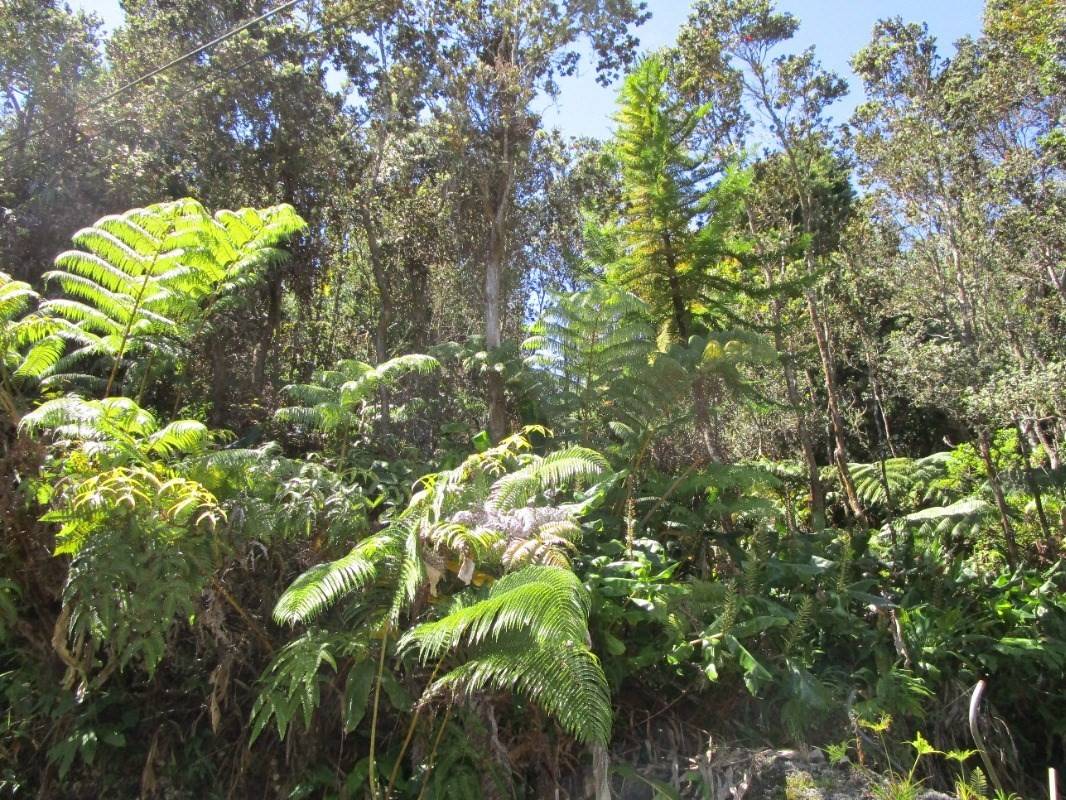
[99, 101]
[187, 93]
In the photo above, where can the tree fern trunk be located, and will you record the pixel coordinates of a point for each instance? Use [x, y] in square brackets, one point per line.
[220, 379]
[601, 771]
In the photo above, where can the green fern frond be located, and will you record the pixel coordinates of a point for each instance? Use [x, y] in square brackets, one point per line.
[336, 400]
[545, 603]
[558, 469]
[530, 635]
[41, 358]
[116, 426]
[147, 276]
[307, 394]
[969, 508]
[290, 685]
[462, 540]
[908, 480]
[323, 585]
[411, 575]
[60, 412]
[550, 546]
[308, 417]
[386, 374]
[16, 298]
[181, 437]
[405, 364]
[585, 349]
[565, 679]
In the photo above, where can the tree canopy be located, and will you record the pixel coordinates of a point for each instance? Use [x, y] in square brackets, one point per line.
[364, 436]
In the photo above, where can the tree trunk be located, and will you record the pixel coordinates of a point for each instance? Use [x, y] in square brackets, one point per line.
[381, 330]
[1034, 489]
[220, 380]
[840, 450]
[420, 307]
[495, 397]
[266, 334]
[1049, 446]
[873, 375]
[802, 423]
[497, 203]
[703, 401]
[984, 445]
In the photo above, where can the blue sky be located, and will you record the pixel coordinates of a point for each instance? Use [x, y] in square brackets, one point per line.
[837, 28]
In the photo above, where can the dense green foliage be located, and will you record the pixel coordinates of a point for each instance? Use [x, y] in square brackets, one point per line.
[464, 460]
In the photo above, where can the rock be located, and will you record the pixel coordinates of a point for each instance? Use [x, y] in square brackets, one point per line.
[736, 773]
[795, 775]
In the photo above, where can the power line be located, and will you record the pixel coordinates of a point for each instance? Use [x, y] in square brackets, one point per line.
[153, 73]
[187, 93]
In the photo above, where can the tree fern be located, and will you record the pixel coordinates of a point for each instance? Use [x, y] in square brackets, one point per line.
[724, 354]
[16, 298]
[569, 466]
[142, 281]
[115, 427]
[290, 686]
[567, 681]
[478, 512]
[593, 352]
[909, 481]
[321, 586]
[545, 603]
[925, 494]
[529, 635]
[21, 330]
[335, 402]
[550, 543]
[960, 519]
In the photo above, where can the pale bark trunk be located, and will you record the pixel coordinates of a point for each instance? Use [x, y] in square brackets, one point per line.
[496, 400]
[1057, 280]
[879, 411]
[497, 204]
[840, 453]
[381, 330]
[966, 308]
